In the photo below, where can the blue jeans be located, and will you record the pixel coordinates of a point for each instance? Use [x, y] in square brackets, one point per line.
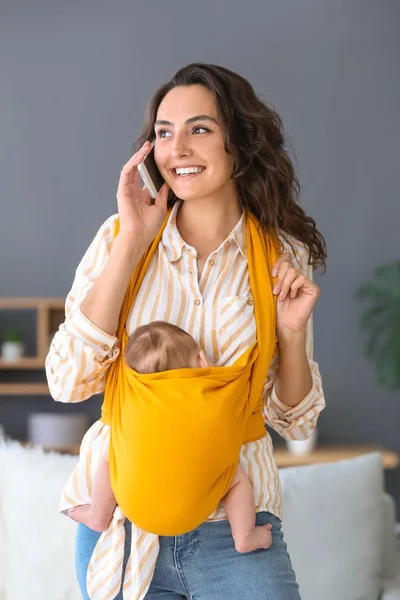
[204, 565]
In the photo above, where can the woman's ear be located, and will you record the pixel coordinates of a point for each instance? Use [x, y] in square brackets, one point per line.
[202, 360]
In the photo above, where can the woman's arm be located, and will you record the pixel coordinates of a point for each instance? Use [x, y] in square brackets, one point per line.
[103, 303]
[294, 379]
[82, 350]
[84, 347]
[293, 392]
[140, 221]
[299, 421]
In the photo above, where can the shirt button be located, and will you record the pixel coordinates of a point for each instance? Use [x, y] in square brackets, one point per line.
[191, 271]
[106, 348]
[250, 302]
[197, 302]
[211, 262]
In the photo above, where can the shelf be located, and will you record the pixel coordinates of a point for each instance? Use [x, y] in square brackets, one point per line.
[20, 303]
[74, 450]
[326, 454]
[28, 362]
[283, 458]
[24, 389]
[49, 314]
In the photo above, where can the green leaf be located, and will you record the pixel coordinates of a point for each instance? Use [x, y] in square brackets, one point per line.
[12, 335]
[373, 315]
[377, 337]
[372, 290]
[381, 322]
[387, 367]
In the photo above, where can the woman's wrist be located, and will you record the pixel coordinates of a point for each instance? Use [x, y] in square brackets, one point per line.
[293, 338]
[294, 380]
[129, 248]
[103, 302]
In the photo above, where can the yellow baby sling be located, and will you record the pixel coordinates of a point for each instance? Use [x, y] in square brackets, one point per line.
[176, 436]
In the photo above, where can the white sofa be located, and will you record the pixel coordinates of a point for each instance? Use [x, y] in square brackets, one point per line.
[338, 523]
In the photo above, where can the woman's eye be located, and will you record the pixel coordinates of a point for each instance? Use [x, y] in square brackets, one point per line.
[203, 129]
[162, 133]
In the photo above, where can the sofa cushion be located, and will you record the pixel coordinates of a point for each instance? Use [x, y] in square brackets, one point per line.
[36, 542]
[390, 552]
[334, 526]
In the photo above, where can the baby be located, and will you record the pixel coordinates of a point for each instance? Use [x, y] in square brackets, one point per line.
[158, 347]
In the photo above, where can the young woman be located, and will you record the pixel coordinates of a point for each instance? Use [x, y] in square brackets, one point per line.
[228, 180]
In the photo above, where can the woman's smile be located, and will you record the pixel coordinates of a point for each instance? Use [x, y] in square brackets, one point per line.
[186, 174]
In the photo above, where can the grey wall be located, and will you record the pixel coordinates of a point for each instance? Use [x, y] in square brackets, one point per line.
[75, 79]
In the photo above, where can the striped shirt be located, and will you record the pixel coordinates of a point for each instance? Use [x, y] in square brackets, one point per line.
[217, 310]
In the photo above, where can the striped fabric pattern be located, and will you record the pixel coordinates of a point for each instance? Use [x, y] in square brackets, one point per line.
[217, 310]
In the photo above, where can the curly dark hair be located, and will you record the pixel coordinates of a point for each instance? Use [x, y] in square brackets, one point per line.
[263, 172]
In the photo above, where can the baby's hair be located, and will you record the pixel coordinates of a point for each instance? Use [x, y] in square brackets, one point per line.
[160, 346]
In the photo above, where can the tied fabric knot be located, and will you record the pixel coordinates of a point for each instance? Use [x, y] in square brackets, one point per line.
[104, 576]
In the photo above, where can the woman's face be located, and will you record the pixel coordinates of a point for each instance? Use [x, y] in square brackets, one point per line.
[189, 135]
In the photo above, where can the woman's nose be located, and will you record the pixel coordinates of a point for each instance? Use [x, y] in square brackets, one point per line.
[180, 148]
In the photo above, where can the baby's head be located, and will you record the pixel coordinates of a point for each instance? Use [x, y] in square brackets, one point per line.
[160, 346]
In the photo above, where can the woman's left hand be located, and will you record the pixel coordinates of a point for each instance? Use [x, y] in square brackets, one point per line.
[297, 295]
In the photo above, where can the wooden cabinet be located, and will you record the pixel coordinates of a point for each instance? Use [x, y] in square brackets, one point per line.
[48, 315]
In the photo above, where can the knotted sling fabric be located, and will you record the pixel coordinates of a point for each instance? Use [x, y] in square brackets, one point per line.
[176, 436]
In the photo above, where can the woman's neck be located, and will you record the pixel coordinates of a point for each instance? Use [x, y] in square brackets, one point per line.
[206, 223]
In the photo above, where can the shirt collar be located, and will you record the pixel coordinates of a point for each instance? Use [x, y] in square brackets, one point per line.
[174, 243]
[238, 235]
[171, 238]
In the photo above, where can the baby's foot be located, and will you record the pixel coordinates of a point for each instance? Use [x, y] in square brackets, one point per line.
[259, 537]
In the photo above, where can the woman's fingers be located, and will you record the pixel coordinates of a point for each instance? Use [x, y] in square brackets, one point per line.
[292, 281]
[296, 285]
[162, 197]
[290, 276]
[129, 173]
[306, 285]
[289, 279]
[281, 267]
[284, 257]
[137, 158]
[139, 192]
[135, 180]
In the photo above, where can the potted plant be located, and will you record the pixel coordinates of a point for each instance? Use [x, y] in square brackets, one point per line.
[12, 348]
[381, 322]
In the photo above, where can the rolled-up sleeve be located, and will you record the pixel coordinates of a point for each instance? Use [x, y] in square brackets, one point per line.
[81, 353]
[295, 422]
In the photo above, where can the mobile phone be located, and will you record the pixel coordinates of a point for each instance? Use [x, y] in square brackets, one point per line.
[150, 174]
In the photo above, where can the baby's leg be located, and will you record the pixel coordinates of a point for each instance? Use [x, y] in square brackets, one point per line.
[97, 515]
[240, 510]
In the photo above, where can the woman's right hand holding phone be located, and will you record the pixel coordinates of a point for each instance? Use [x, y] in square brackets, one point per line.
[140, 220]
